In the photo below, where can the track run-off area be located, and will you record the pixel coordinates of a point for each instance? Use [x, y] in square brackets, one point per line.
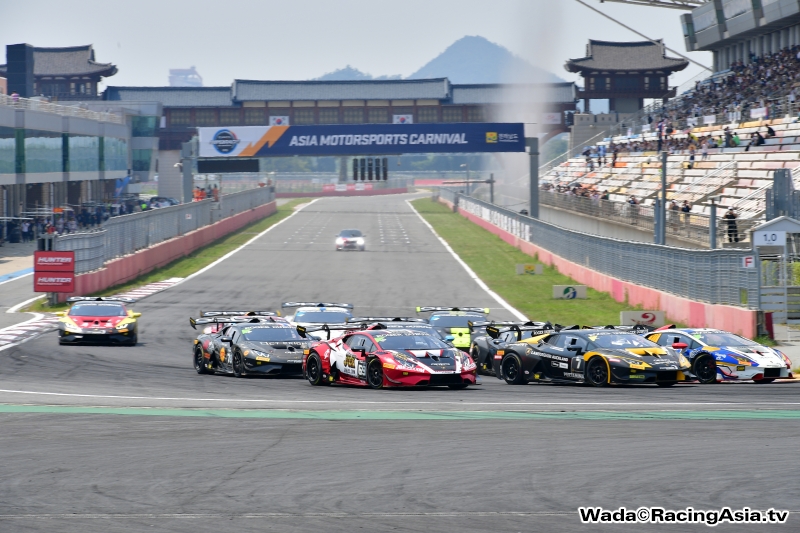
[107, 438]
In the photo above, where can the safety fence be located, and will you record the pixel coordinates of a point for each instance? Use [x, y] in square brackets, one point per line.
[692, 227]
[713, 276]
[39, 104]
[127, 234]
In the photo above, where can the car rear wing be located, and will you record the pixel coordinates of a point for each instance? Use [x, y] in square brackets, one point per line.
[668, 326]
[123, 299]
[387, 319]
[238, 313]
[540, 328]
[316, 304]
[482, 324]
[303, 331]
[637, 329]
[431, 309]
[232, 320]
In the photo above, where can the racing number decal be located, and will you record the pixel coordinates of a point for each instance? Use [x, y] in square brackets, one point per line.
[577, 364]
[349, 365]
[362, 369]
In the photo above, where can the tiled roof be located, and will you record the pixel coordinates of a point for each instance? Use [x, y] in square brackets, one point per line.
[173, 96]
[514, 93]
[247, 90]
[72, 61]
[642, 55]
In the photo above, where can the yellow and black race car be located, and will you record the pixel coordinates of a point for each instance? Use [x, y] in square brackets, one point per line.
[98, 319]
[594, 356]
[455, 321]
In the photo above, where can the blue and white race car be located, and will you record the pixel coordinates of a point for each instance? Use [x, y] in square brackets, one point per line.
[721, 356]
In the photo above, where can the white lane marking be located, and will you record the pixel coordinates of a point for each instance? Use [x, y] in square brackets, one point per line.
[36, 317]
[240, 248]
[336, 514]
[23, 304]
[373, 402]
[15, 279]
[471, 274]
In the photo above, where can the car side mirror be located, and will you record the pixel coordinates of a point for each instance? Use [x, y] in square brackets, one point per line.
[576, 349]
[226, 339]
[361, 351]
[680, 345]
[136, 315]
[450, 338]
[61, 313]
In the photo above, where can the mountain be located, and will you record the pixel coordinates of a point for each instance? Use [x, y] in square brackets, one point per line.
[350, 73]
[478, 60]
[468, 60]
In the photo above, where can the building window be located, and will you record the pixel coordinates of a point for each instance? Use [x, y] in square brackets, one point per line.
[84, 153]
[141, 160]
[627, 83]
[452, 114]
[230, 117]
[329, 115]
[428, 114]
[8, 150]
[475, 114]
[143, 126]
[115, 152]
[663, 83]
[43, 151]
[647, 83]
[254, 116]
[180, 117]
[353, 115]
[608, 84]
[205, 117]
[303, 116]
[591, 84]
[377, 115]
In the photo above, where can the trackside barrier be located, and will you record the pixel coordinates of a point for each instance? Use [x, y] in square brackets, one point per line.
[374, 192]
[126, 268]
[127, 234]
[700, 288]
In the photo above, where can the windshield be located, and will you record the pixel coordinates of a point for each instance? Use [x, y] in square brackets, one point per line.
[621, 342]
[719, 338]
[270, 334]
[97, 310]
[322, 317]
[410, 342]
[449, 321]
[350, 233]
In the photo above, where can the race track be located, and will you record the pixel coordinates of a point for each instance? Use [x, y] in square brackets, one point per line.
[132, 439]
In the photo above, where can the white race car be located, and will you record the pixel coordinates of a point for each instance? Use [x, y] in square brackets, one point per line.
[318, 313]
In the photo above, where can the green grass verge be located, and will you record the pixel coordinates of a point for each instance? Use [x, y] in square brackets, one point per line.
[180, 268]
[494, 261]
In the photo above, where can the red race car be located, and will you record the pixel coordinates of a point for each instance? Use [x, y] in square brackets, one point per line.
[377, 357]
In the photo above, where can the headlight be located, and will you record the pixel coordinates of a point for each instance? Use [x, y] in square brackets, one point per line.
[360, 241]
[466, 361]
[258, 353]
[683, 361]
[124, 327]
[403, 361]
[72, 328]
[339, 240]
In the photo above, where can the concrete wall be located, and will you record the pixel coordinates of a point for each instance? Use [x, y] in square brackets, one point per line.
[596, 226]
[170, 179]
[130, 267]
[678, 309]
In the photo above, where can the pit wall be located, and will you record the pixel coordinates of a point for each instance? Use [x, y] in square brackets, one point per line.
[677, 309]
[316, 194]
[130, 267]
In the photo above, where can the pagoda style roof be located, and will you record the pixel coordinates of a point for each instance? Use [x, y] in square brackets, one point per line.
[622, 57]
[67, 62]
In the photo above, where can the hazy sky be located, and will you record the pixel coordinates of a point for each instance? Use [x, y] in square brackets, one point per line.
[303, 39]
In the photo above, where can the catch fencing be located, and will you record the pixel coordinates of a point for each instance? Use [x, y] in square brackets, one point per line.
[712, 276]
[127, 234]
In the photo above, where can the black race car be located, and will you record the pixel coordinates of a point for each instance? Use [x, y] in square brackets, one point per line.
[497, 335]
[248, 345]
[455, 321]
[594, 356]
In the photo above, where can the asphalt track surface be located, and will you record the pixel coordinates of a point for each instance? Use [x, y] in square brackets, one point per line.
[132, 439]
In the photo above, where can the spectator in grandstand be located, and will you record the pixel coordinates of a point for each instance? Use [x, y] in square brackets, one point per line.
[686, 209]
[690, 165]
[633, 208]
[728, 138]
[704, 151]
[674, 210]
[770, 132]
[730, 221]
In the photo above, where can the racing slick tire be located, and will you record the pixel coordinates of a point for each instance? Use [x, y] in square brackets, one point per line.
[704, 369]
[199, 361]
[314, 370]
[375, 373]
[511, 370]
[238, 364]
[474, 352]
[597, 372]
[768, 380]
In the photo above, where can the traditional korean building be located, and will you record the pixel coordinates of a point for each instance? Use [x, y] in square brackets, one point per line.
[625, 73]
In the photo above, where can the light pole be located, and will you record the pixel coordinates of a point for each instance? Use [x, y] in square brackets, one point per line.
[466, 166]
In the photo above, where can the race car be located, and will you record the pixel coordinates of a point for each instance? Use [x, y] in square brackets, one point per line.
[216, 326]
[594, 356]
[455, 321]
[402, 322]
[721, 356]
[497, 335]
[378, 357]
[98, 319]
[350, 239]
[248, 345]
[317, 313]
